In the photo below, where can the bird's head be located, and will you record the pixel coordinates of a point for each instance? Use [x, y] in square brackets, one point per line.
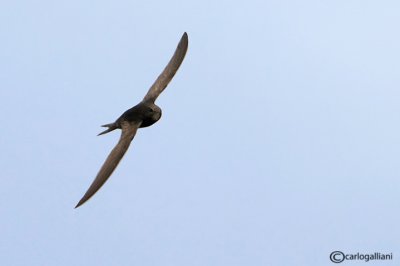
[154, 112]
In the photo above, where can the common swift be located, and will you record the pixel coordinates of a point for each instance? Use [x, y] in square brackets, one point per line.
[144, 114]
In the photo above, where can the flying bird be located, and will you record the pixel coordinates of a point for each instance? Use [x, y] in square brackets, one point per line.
[144, 114]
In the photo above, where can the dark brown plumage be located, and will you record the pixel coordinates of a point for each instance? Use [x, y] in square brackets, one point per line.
[144, 114]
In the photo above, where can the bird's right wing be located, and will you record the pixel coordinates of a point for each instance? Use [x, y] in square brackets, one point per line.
[128, 133]
[168, 73]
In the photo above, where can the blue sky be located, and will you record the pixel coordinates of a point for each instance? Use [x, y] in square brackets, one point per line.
[279, 141]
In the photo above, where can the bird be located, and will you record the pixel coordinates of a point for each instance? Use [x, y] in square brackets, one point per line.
[144, 114]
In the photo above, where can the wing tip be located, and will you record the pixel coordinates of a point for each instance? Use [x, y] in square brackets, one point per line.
[184, 40]
[79, 203]
[183, 43]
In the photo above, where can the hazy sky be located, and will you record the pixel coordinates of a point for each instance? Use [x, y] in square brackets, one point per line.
[279, 141]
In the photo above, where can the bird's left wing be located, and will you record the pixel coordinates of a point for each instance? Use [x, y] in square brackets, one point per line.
[168, 73]
[128, 133]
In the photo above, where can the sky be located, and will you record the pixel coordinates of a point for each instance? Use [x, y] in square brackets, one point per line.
[279, 141]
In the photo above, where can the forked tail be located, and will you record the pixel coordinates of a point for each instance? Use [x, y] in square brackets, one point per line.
[110, 128]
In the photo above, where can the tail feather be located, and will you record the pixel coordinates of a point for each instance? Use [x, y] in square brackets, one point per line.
[110, 128]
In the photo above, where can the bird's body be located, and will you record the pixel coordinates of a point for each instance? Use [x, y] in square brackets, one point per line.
[144, 114]
[148, 113]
